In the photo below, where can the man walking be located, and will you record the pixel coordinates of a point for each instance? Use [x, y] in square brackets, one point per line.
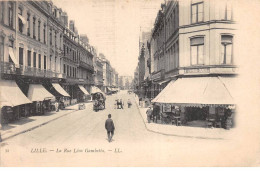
[109, 125]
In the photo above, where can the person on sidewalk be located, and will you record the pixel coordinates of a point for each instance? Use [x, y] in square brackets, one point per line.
[57, 106]
[109, 125]
[149, 113]
[156, 113]
[129, 103]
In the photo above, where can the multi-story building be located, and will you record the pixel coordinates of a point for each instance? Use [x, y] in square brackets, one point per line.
[193, 44]
[125, 82]
[78, 65]
[107, 73]
[116, 79]
[98, 73]
[39, 55]
[29, 64]
[135, 81]
[143, 54]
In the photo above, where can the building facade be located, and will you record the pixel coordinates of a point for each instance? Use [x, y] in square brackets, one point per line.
[42, 59]
[98, 73]
[193, 40]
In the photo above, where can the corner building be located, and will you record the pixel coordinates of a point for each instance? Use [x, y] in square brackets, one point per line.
[193, 55]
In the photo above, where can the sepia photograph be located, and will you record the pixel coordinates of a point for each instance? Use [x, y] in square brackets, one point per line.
[129, 83]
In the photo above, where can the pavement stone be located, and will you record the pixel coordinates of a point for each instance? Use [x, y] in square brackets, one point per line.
[184, 131]
[29, 123]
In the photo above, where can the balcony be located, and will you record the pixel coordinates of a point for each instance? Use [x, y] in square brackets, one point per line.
[9, 68]
[86, 66]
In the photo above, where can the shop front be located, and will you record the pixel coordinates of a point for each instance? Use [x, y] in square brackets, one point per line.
[42, 100]
[199, 101]
[14, 104]
[82, 94]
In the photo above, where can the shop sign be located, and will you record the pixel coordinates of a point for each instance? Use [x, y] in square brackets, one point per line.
[167, 108]
[197, 70]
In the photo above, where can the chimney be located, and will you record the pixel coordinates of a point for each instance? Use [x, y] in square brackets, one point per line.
[64, 18]
[72, 25]
[84, 38]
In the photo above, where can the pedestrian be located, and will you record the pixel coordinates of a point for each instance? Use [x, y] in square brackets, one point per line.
[43, 108]
[57, 106]
[129, 103]
[140, 99]
[118, 103]
[109, 125]
[156, 113]
[115, 105]
[149, 113]
[122, 104]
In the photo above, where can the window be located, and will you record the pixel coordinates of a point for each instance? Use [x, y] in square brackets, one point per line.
[20, 55]
[44, 34]
[197, 50]
[50, 36]
[226, 49]
[55, 38]
[55, 63]
[64, 50]
[29, 58]
[11, 43]
[28, 24]
[1, 48]
[60, 40]
[44, 62]
[34, 20]
[50, 62]
[39, 30]
[11, 14]
[197, 12]
[2, 12]
[177, 54]
[40, 61]
[64, 68]
[20, 22]
[228, 12]
[34, 59]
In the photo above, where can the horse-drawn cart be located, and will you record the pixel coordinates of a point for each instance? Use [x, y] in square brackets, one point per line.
[99, 101]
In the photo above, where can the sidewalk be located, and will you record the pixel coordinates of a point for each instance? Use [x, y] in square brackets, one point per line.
[184, 131]
[29, 123]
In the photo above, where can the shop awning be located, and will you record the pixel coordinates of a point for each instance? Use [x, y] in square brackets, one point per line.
[38, 93]
[22, 19]
[59, 89]
[197, 91]
[11, 53]
[11, 95]
[165, 81]
[83, 90]
[230, 84]
[95, 89]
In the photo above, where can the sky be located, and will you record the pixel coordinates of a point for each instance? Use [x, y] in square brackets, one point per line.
[113, 27]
